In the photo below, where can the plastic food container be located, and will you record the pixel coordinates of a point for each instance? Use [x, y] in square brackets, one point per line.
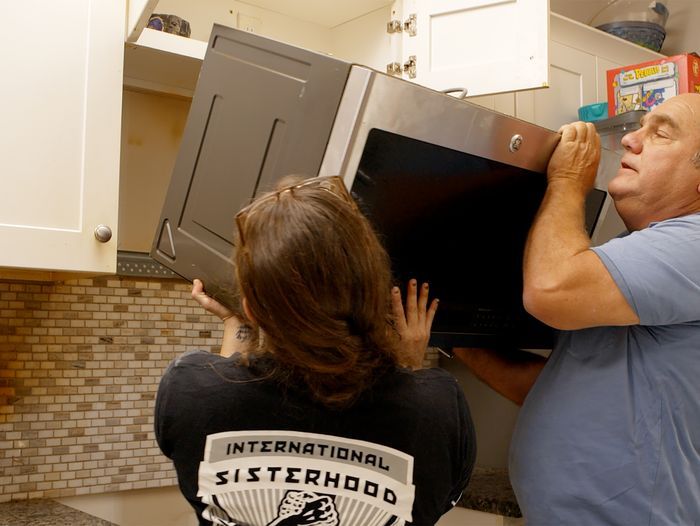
[640, 21]
[593, 112]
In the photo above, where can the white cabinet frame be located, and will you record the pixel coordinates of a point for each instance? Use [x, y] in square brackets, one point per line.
[60, 139]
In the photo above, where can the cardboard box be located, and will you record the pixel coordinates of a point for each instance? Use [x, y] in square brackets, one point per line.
[646, 85]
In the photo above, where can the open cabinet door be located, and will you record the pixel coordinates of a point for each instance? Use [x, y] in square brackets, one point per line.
[139, 11]
[483, 46]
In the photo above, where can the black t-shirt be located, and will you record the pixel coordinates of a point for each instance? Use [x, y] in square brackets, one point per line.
[249, 453]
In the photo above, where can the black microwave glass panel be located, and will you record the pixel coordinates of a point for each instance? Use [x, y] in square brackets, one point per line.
[459, 222]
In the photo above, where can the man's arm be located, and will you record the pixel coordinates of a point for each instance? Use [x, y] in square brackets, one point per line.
[511, 373]
[566, 285]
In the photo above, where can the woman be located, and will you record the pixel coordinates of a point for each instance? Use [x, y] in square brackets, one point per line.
[319, 418]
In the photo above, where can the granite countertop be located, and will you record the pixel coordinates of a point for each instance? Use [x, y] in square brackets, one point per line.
[45, 512]
[489, 490]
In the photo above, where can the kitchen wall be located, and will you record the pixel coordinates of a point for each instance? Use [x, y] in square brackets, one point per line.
[80, 362]
[152, 128]
[203, 13]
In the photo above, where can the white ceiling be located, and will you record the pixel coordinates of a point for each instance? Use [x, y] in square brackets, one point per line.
[318, 12]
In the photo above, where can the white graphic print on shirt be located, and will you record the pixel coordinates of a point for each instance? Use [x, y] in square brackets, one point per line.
[285, 478]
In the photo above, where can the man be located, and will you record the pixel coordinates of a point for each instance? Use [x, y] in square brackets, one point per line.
[609, 432]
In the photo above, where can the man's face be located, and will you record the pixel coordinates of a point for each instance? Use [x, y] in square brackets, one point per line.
[658, 179]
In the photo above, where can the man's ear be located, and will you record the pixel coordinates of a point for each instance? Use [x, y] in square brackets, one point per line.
[246, 311]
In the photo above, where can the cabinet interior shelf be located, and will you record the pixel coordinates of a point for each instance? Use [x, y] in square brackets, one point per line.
[163, 63]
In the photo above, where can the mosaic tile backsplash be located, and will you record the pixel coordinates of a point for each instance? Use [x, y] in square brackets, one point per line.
[80, 363]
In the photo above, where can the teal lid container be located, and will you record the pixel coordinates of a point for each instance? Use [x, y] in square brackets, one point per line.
[593, 112]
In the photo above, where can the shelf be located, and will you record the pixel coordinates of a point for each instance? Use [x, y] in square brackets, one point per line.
[163, 63]
[596, 42]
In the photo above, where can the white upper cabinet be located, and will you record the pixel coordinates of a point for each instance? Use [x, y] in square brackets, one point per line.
[60, 101]
[485, 46]
[482, 46]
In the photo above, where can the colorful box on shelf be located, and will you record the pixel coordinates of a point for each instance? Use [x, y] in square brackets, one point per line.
[646, 85]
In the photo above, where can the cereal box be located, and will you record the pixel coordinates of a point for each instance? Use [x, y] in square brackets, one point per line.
[643, 86]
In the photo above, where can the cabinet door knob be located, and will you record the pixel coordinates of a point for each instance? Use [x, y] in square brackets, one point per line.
[103, 233]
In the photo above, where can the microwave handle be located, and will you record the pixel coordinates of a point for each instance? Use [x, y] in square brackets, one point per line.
[462, 92]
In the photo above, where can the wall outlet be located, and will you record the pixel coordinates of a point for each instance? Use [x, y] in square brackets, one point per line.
[249, 23]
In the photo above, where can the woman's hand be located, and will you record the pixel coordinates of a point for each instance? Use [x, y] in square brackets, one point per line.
[210, 304]
[414, 323]
[238, 336]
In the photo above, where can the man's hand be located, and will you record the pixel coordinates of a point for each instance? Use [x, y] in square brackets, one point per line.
[413, 324]
[577, 155]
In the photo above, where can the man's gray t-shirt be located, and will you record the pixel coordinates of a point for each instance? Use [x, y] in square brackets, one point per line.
[610, 432]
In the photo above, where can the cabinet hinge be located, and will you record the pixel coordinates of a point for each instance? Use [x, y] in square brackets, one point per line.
[394, 69]
[409, 67]
[394, 26]
[410, 26]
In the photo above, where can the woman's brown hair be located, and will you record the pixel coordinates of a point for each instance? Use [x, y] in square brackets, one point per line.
[316, 280]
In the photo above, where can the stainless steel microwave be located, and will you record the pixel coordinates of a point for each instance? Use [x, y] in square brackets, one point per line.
[451, 187]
